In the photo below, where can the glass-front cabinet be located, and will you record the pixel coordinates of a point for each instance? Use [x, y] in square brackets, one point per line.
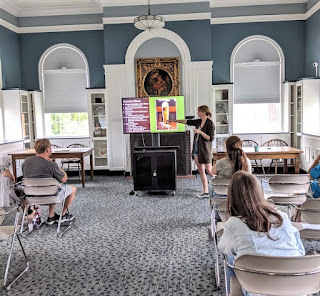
[27, 119]
[98, 127]
[221, 108]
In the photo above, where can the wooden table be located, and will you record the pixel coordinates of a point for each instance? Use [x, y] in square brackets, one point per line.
[57, 153]
[284, 153]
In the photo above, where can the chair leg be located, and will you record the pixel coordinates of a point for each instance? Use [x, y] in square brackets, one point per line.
[276, 167]
[60, 234]
[215, 246]
[264, 174]
[10, 255]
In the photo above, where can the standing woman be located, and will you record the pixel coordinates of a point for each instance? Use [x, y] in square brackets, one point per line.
[202, 144]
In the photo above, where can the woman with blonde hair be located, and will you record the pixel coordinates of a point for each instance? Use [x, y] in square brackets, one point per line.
[254, 226]
[202, 144]
[236, 159]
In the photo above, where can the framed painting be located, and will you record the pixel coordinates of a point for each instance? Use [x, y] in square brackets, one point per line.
[157, 77]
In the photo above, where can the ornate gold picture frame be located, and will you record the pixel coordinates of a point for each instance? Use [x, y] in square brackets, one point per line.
[158, 77]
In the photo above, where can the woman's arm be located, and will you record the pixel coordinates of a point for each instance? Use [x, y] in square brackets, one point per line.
[227, 242]
[314, 164]
[8, 174]
[214, 170]
[203, 134]
[184, 121]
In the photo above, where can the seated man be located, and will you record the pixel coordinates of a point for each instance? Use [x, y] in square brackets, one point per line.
[41, 166]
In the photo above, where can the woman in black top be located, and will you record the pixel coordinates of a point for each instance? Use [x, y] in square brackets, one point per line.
[202, 144]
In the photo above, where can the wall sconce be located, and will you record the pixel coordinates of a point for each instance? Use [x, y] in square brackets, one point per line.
[316, 64]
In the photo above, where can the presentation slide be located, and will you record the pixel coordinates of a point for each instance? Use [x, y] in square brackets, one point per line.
[135, 114]
[151, 114]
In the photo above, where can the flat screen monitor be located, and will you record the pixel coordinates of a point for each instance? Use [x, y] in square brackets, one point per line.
[150, 114]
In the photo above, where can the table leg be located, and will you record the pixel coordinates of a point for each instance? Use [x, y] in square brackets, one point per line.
[14, 168]
[91, 166]
[297, 164]
[285, 166]
[83, 178]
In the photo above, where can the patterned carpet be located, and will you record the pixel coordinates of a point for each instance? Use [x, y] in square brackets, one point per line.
[122, 244]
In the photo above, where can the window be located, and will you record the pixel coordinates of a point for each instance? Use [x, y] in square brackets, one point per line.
[257, 70]
[256, 118]
[64, 79]
[66, 124]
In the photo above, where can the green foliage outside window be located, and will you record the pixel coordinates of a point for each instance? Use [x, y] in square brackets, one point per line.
[64, 124]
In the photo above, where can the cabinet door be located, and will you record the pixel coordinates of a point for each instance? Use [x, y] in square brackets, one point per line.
[164, 171]
[11, 115]
[143, 169]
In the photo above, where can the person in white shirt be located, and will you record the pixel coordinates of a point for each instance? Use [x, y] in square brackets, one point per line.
[254, 226]
[236, 159]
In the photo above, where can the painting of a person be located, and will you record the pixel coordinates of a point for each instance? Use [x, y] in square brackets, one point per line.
[159, 86]
[150, 81]
[158, 83]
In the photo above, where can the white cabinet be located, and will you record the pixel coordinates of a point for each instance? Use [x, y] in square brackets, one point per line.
[12, 114]
[222, 113]
[98, 124]
[22, 116]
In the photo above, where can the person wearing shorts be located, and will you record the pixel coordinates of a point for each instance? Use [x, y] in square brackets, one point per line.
[42, 166]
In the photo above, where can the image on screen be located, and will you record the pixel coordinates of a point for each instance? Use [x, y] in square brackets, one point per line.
[163, 109]
[166, 109]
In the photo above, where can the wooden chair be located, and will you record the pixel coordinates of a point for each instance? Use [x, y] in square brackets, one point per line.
[73, 161]
[275, 143]
[252, 143]
[54, 146]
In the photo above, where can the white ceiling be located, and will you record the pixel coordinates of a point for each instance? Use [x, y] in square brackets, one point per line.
[60, 7]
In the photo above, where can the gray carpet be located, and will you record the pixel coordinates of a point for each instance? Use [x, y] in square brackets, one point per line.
[123, 244]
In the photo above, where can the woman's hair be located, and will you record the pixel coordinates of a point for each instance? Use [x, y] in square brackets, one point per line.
[246, 201]
[236, 154]
[205, 109]
[42, 145]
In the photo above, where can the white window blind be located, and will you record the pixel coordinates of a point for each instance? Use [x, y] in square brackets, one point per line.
[257, 83]
[65, 91]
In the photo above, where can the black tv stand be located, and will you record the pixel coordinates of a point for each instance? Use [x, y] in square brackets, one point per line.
[154, 167]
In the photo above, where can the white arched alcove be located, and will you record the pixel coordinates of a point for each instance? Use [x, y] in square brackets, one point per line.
[270, 44]
[196, 81]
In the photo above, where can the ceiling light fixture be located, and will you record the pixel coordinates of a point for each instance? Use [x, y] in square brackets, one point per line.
[149, 22]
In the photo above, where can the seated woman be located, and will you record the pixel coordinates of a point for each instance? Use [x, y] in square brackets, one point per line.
[5, 189]
[254, 226]
[235, 161]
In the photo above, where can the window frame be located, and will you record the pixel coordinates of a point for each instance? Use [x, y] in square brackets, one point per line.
[283, 99]
[41, 73]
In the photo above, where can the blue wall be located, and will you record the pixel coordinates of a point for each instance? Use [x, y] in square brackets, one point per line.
[289, 35]
[32, 46]
[312, 44]
[10, 58]
[196, 34]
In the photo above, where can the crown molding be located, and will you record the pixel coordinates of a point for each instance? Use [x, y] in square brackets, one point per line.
[109, 3]
[313, 10]
[9, 7]
[167, 17]
[9, 26]
[62, 28]
[258, 18]
[60, 10]
[229, 3]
